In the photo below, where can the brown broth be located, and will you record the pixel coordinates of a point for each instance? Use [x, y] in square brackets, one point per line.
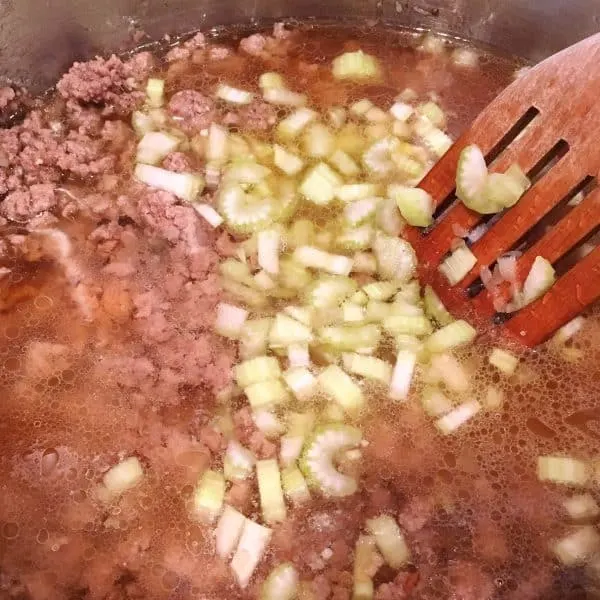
[58, 434]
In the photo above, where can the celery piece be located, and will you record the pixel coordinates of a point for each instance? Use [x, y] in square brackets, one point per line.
[457, 333]
[270, 491]
[356, 65]
[320, 184]
[339, 386]
[266, 393]
[209, 496]
[255, 370]
[389, 540]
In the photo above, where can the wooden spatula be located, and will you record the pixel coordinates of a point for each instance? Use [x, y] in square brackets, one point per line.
[547, 121]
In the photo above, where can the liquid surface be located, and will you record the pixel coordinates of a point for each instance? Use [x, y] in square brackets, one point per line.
[107, 351]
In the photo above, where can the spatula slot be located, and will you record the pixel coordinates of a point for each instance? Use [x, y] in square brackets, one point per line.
[511, 135]
[548, 160]
[587, 185]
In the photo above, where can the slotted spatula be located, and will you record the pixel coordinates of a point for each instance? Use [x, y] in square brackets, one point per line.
[547, 121]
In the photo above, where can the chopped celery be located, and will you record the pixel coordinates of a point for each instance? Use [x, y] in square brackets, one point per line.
[330, 291]
[290, 449]
[301, 381]
[500, 191]
[415, 205]
[123, 476]
[229, 530]
[434, 402]
[377, 158]
[388, 217]
[407, 324]
[293, 124]
[266, 393]
[264, 281]
[314, 258]
[230, 320]
[289, 163]
[402, 374]
[298, 355]
[250, 550]
[271, 80]
[380, 290]
[155, 92]
[582, 507]
[434, 307]
[377, 311]
[538, 281]
[353, 239]
[287, 331]
[269, 241]
[494, 398]
[348, 338]
[318, 141]
[236, 270]
[577, 547]
[344, 163]
[339, 386]
[209, 214]
[401, 111]
[409, 292]
[270, 491]
[433, 112]
[458, 264]
[356, 191]
[254, 337]
[238, 462]
[268, 423]
[283, 97]
[185, 186]
[233, 95]
[359, 298]
[368, 367]
[457, 333]
[209, 495]
[389, 540]
[294, 485]
[255, 370]
[154, 147]
[142, 123]
[337, 116]
[217, 144]
[457, 417]
[504, 361]
[317, 460]
[396, 258]
[320, 184]
[364, 560]
[245, 212]
[353, 313]
[246, 172]
[451, 372]
[361, 107]
[471, 177]
[246, 294]
[304, 314]
[293, 275]
[359, 211]
[562, 469]
[356, 65]
[566, 332]
[281, 584]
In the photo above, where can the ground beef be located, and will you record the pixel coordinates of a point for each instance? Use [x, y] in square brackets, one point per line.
[83, 156]
[23, 205]
[110, 83]
[192, 111]
[254, 44]
[258, 116]
[416, 513]
[184, 51]
[87, 120]
[178, 162]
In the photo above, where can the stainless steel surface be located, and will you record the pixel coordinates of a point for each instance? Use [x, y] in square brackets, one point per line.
[40, 38]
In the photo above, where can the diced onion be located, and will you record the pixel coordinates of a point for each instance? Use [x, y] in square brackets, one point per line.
[283, 97]
[255, 370]
[209, 496]
[504, 361]
[356, 65]
[250, 550]
[577, 547]
[155, 146]
[281, 584]
[230, 320]
[450, 422]
[233, 95]
[229, 530]
[209, 214]
[402, 374]
[123, 476]
[564, 470]
[270, 491]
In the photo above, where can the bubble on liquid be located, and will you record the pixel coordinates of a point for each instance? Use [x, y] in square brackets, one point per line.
[10, 530]
[49, 461]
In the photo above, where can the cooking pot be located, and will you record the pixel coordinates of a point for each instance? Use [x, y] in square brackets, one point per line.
[39, 39]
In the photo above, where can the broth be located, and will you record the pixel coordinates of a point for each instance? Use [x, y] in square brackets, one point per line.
[107, 351]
